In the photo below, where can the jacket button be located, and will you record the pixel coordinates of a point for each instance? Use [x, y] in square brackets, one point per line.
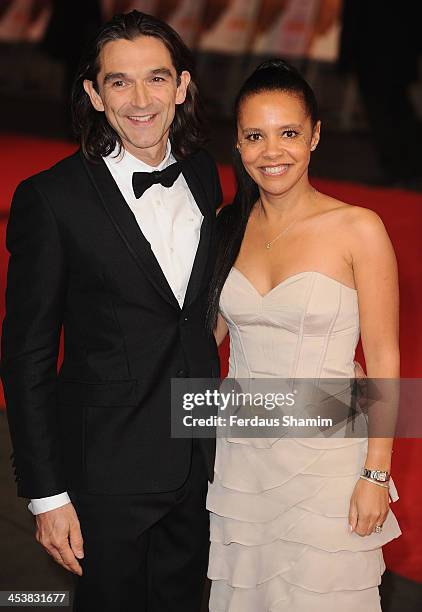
[181, 373]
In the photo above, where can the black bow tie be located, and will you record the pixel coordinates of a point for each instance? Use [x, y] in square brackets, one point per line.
[141, 181]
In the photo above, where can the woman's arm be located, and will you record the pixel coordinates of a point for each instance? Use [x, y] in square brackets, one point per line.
[220, 331]
[375, 272]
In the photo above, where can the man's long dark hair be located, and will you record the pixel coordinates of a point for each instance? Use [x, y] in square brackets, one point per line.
[271, 75]
[96, 136]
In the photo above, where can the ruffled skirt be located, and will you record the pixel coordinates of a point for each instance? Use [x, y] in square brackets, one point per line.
[279, 528]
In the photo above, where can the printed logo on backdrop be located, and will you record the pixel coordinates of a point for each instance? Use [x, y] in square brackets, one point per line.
[186, 19]
[291, 31]
[232, 31]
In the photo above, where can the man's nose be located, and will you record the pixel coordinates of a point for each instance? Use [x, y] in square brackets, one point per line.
[141, 95]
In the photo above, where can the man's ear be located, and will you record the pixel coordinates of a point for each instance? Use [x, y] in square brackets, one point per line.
[94, 96]
[184, 80]
[316, 136]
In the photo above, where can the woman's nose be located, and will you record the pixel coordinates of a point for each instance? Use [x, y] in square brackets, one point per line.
[273, 147]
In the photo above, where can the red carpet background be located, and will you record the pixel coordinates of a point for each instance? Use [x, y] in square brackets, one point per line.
[402, 214]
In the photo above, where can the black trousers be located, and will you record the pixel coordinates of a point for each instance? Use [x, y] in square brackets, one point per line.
[145, 553]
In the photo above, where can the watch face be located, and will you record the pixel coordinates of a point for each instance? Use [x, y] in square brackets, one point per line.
[375, 474]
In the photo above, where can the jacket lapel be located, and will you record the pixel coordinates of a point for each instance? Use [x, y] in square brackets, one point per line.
[128, 228]
[196, 187]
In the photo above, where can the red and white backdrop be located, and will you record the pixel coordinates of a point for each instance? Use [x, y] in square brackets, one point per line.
[294, 28]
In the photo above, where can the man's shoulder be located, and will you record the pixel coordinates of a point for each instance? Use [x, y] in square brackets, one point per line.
[203, 160]
[65, 169]
[67, 179]
[207, 172]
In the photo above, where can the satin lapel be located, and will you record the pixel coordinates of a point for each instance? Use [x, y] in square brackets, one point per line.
[199, 265]
[128, 228]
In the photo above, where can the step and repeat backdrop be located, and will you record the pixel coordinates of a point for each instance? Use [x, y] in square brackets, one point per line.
[297, 28]
[43, 40]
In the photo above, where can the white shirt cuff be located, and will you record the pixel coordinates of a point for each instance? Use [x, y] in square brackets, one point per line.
[44, 504]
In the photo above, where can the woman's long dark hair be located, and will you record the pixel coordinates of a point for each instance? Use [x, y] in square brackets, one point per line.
[96, 136]
[271, 75]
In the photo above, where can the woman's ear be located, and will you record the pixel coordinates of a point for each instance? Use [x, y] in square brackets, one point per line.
[316, 135]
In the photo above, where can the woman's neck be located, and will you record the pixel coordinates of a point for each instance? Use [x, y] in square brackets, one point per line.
[300, 198]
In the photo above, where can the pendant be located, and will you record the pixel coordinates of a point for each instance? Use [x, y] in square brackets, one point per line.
[268, 245]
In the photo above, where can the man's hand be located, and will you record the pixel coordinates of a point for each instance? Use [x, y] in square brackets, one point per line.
[59, 532]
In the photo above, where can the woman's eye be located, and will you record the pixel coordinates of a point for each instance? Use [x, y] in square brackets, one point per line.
[253, 137]
[290, 133]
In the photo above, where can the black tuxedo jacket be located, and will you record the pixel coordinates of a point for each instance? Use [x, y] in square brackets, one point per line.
[79, 260]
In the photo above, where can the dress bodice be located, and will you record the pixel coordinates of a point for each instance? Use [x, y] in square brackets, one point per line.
[305, 327]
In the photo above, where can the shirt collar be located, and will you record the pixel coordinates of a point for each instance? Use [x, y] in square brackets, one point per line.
[128, 162]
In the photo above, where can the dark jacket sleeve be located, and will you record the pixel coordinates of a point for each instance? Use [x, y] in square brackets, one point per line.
[30, 341]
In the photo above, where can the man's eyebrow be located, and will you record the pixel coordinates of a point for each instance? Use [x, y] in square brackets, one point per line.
[110, 76]
[164, 71]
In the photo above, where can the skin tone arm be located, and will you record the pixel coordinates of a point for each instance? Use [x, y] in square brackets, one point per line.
[375, 271]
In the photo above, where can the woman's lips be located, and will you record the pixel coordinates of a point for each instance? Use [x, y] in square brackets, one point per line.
[274, 170]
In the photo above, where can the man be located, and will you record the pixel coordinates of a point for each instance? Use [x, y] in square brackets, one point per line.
[121, 258]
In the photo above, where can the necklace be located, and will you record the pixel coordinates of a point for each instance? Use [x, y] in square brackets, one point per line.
[270, 243]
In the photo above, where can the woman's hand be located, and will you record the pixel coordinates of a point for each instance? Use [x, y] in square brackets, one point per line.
[359, 371]
[369, 506]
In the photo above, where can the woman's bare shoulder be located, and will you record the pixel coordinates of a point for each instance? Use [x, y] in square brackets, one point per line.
[351, 218]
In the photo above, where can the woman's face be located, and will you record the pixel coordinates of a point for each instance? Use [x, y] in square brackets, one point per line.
[275, 139]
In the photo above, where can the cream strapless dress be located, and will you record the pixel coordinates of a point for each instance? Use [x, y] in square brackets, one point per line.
[279, 513]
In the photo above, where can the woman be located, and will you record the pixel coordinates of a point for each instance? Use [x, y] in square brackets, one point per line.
[293, 525]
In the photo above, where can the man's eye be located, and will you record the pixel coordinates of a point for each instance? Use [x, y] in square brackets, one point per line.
[118, 84]
[290, 133]
[158, 79]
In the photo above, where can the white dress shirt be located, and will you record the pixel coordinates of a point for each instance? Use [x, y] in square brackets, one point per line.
[171, 221]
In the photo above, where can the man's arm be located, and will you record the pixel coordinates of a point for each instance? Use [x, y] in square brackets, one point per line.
[30, 344]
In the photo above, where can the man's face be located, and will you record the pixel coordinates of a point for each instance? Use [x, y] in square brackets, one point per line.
[138, 92]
